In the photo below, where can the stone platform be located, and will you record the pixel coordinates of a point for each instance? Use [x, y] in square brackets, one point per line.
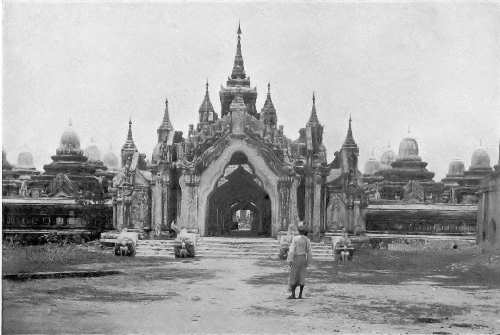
[407, 242]
[265, 247]
[40, 236]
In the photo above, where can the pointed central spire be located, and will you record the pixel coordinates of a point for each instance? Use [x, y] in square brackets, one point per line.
[238, 66]
[313, 119]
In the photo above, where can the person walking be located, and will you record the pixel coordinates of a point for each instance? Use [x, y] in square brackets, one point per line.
[299, 257]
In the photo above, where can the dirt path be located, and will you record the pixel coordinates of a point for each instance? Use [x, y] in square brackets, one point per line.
[247, 296]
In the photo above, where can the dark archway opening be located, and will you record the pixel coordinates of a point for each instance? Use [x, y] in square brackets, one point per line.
[174, 203]
[239, 206]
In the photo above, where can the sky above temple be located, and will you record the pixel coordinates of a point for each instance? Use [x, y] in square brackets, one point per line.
[431, 68]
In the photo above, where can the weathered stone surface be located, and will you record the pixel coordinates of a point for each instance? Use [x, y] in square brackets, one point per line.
[488, 218]
[401, 217]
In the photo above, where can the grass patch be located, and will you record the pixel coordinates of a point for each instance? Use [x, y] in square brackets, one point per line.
[63, 257]
[91, 293]
[391, 311]
[87, 293]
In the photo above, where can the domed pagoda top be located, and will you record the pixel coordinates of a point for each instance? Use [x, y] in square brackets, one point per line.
[408, 165]
[92, 152]
[408, 149]
[69, 157]
[456, 168]
[387, 158]
[480, 159]
[69, 143]
[25, 161]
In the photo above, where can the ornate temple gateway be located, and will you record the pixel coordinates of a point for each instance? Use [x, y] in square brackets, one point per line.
[235, 164]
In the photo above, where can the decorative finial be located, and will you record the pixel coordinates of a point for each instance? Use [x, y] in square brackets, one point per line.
[314, 98]
[130, 121]
[166, 101]
[268, 88]
[350, 119]
[239, 28]
[206, 85]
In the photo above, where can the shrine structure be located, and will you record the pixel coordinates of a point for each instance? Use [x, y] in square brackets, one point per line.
[70, 197]
[236, 160]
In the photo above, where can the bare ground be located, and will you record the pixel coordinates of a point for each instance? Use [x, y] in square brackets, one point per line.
[456, 291]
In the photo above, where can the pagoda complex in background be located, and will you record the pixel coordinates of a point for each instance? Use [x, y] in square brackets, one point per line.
[58, 200]
[404, 198]
[235, 173]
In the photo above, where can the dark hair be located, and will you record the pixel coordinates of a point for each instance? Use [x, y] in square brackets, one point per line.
[303, 232]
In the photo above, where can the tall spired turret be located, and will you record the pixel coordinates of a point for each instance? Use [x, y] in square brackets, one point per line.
[314, 129]
[350, 151]
[206, 111]
[268, 112]
[128, 148]
[238, 82]
[165, 127]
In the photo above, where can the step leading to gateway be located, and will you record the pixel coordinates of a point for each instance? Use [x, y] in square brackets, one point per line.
[227, 247]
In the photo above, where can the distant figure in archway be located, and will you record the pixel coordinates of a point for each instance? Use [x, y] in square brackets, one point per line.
[299, 257]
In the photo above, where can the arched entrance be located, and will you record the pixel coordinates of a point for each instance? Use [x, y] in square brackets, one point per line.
[238, 204]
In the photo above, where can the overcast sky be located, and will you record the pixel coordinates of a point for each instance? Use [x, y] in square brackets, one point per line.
[431, 67]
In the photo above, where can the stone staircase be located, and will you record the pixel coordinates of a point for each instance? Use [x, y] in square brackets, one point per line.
[227, 247]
